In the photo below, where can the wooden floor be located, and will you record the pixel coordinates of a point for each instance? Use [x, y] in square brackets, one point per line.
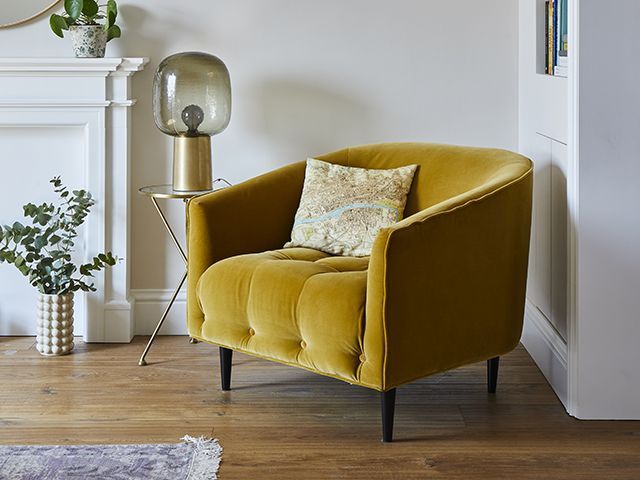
[283, 423]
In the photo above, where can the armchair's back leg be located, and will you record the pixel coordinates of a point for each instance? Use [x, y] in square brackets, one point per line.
[492, 374]
[226, 355]
[388, 409]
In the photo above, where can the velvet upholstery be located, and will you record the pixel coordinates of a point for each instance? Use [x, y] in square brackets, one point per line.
[442, 288]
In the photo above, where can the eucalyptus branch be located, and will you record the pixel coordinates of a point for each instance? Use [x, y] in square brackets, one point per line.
[42, 251]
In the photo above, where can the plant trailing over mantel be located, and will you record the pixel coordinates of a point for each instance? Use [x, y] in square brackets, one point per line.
[87, 13]
[42, 251]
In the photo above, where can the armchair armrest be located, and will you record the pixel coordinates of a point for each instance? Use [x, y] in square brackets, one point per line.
[446, 286]
[250, 217]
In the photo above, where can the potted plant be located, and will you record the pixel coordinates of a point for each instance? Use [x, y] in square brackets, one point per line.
[42, 252]
[91, 25]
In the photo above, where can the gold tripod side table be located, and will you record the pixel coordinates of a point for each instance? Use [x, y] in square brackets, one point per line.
[155, 192]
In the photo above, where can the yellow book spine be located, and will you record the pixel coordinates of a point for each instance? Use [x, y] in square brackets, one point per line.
[550, 42]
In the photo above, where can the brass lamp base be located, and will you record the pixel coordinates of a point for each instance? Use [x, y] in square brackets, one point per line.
[192, 170]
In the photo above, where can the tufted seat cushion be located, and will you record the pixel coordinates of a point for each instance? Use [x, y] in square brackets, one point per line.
[297, 306]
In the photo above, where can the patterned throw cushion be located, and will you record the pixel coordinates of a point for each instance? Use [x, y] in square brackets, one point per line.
[342, 209]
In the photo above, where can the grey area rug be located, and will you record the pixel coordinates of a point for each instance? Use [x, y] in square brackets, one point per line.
[194, 459]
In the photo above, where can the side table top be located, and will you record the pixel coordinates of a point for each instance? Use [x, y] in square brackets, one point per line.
[167, 191]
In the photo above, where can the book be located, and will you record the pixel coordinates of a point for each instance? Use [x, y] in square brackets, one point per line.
[564, 24]
[556, 32]
[556, 36]
[546, 37]
[561, 71]
[550, 34]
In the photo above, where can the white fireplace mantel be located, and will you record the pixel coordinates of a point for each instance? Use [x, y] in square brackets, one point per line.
[92, 96]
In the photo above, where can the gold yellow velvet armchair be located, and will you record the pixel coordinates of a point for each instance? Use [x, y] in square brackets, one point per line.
[442, 288]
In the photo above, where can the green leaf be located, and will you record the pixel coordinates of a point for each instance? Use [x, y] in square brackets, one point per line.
[73, 8]
[30, 210]
[54, 239]
[43, 218]
[113, 32]
[40, 242]
[85, 270]
[90, 8]
[112, 8]
[46, 261]
[58, 24]
[111, 21]
[24, 270]
[86, 288]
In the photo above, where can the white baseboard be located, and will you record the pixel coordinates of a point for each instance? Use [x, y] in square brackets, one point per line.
[149, 306]
[547, 348]
[119, 321]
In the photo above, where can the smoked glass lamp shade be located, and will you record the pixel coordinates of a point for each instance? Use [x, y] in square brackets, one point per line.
[192, 102]
[192, 95]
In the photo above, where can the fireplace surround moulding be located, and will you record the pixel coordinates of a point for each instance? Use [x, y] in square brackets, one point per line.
[94, 94]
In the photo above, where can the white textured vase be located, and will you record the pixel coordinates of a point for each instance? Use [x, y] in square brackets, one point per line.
[55, 324]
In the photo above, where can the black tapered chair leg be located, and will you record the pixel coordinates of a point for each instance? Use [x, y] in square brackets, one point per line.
[226, 356]
[492, 374]
[388, 410]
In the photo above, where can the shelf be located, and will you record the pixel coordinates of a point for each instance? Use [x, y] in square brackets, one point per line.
[542, 31]
[546, 75]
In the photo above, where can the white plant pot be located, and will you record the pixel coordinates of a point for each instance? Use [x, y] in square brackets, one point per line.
[89, 41]
[55, 324]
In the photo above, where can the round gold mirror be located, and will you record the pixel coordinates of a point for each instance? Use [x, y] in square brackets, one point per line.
[14, 12]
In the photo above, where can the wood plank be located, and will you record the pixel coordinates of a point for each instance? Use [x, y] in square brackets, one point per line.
[282, 422]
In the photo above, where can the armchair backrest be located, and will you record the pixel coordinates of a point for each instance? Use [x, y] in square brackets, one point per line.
[444, 171]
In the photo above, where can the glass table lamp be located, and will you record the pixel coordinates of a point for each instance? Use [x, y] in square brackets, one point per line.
[192, 102]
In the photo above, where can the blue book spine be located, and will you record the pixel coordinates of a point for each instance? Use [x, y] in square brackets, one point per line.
[564, 22]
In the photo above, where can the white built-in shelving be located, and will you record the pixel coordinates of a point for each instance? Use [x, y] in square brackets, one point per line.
[544, 137]
[583, 299]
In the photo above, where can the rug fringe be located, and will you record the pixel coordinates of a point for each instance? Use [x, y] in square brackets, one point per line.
[206, 457]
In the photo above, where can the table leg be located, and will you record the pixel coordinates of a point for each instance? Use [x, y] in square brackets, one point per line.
[142, 362]
[169, 230]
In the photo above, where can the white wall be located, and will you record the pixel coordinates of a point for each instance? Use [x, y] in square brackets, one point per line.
[607, 332]
[310, 77]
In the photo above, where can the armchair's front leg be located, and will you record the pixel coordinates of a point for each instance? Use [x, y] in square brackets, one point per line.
[388, 410]
[226, 358]
[492, 374]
